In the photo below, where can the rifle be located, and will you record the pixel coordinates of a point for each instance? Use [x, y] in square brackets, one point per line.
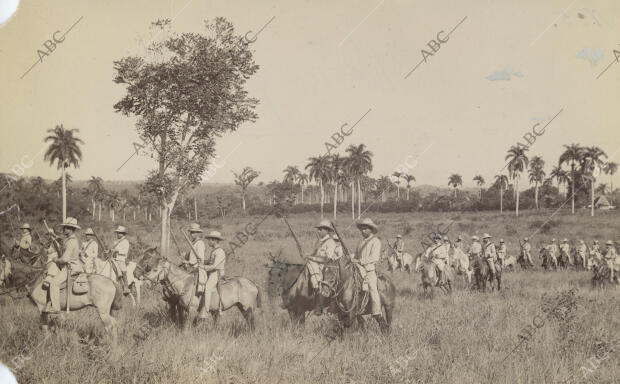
[101, 244]
[344, 246]
[188, 242]
[174, 239]
[301, 253]
[53, 236]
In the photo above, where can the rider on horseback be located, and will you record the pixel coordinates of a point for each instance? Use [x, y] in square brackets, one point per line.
[323, 252]
[24, 243]
[582, 252]
[526, 251]
[553, 250]
[611, 258]
[501, 252]
[214, 268]
[120, 250]
[489, 252]
[69, 262]
[399, 248]
[565, 251]
[89, 251]
[475, 249]
[439, 256]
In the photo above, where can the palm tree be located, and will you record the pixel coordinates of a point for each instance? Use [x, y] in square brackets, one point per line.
[601, 189]
[561, 176]
[318, 170]
[336, 175]
[65, 151]
[408, 178]
[537, 174]
[502, 182]
[397, 175]
[95, 187]
[243, 180]
[360, 164]
[480, 182]
[518, 162]
[610, 168]
[571, 155]
[291, 176]
[591, 162]
[455, 180]
[303, 180]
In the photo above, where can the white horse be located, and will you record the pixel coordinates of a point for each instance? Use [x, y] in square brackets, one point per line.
[104, 268]
[461, 264]
[407, 261]
[510, 262]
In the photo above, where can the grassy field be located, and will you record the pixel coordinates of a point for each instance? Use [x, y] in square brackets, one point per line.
[467, 337]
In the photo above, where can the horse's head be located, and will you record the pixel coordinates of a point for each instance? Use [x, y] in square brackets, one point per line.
[149, 265]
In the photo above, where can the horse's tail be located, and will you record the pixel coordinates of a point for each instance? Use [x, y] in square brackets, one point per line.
[258, 297]
[117, 303]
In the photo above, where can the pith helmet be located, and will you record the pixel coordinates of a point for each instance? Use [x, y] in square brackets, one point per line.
[475, 238]
[215, 235]
[526, 239]
[565, 240]
[486, 236]
[609, 242]
[89, 231]
[325, 224]
[367, 223]
[25, 226]
[399, 237]
[195, 227]
[595, 241]
[121, 229]
[501, 240]
[71, 222]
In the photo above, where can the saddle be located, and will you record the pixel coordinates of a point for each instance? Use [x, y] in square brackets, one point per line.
[80, 284]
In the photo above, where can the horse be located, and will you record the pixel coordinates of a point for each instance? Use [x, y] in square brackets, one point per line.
[292, 283]
[483, 275]
[103, 294]
[461, 265]
[349, 300]
[547, 260]
[179, 290]
[564, 260]
[105, 268]
[394, 264]
[600, 276]
[430, 276]
[510, 263]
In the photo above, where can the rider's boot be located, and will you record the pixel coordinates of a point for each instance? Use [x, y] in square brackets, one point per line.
[125, 286]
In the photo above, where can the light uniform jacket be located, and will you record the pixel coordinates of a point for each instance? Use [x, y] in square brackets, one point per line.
[217, 259]
[25, 241]
[490, 252]
[611, 255]
[199, 258]
[90, 250]
[399, 246]
[501, 251]
[71, 254]
[475, 248]
[368, 252]
[582, 250]
[439, 255]
[324, 247]
[338, 251]
[121, 248]
[527, 247]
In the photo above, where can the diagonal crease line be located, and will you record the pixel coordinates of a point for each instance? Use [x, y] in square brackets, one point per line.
[264, 26]
[414, 68]
[549, 122]
[605, 70]
[556, 19]
[71, 27]
[360, 119]
[360, 23]
[29, 69]
[461, 22]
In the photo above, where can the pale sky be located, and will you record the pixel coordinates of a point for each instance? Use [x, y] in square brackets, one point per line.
[508, 65]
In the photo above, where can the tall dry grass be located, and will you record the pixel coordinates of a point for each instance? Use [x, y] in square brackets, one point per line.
[461, 338]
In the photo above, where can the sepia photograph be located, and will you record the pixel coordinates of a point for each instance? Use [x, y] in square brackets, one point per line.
[270, 191]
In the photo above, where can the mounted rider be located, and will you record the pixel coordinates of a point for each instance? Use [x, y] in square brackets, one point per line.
[595, 250]
[399, 248]
[553, 251]
[68, 263]
[22, 246]
[501, 252]
[324, 251]
[475, 249]
[565, 250]
[214, 268]
[489, 253]
[89, 251]
[338, 251]
[195, 258]
[367, 255]
[582, 251]
[439, 256]
[611, 258]
[448, 245]
[120, 250]
[526, 251]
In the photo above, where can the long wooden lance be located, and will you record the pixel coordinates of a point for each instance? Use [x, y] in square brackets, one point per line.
[174, 239]
[301, 253]
[191, 246]
[344, 246]
[53, 236]
[101, 244]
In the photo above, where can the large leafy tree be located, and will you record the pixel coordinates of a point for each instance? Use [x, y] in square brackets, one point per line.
[65, 150]
[243, 180]
[336, 170]
[95, 190]
[397, 176]
[572, 155]
[537, 175]
[188, 91]
[517, 163]
[561, 176]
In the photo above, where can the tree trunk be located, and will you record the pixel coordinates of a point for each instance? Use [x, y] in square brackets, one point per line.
[64, 194]
[134, 214]
[302, 193]
[572, 180]
[397, 192]
[407, 193]
[335, 199]
[592, 197]
[501, 198]
[166, 211]
[196, 210]
[100, 211]
[536, 194]
[243, 201]
[124, 214]
[352, 200]
[94, 209]
[112, 213]
[359, 199]
[322, 197]
[517, 193]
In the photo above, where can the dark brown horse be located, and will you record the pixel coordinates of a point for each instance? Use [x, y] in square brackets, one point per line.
[351, 302]
[430, 277]
[482, 274]
[292, 283]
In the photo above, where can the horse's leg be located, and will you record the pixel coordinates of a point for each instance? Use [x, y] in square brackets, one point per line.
[216, 317]
[362, 322]
[109, 324]
[248, 315]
